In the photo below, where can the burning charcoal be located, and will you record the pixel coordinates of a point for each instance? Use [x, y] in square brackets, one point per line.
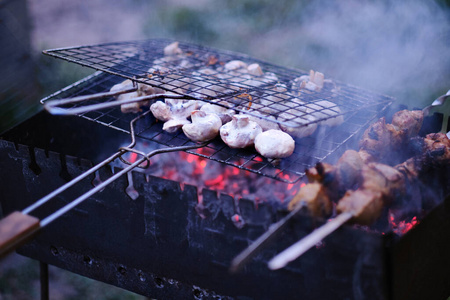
[173, 112]
[240, 132]
[204, 126]
[274, 144]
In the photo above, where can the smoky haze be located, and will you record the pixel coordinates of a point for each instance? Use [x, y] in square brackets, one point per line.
[400, 48]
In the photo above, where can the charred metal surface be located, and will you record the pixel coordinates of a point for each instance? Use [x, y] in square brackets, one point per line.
[420, 260]
[165, 244]
[159, 245]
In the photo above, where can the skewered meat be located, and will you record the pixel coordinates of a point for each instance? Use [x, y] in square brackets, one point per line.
[204, 126]
[240, 132]
[174, 112]
[434, 153]
[348, 170]
[274, 144]
[380, 140]
[409, 122]
[381, 183]
[364, 205]
[358, 176]
[315, 197]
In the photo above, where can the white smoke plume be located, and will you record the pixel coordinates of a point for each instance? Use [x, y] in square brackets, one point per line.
[400, 48]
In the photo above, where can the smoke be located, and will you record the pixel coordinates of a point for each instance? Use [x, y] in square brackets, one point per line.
[399, 48]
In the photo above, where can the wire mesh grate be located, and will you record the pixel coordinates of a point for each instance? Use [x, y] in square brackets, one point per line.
[199, 73]
[278, 94]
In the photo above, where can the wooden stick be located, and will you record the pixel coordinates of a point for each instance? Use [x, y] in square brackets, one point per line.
[15, 230]
[309, 241]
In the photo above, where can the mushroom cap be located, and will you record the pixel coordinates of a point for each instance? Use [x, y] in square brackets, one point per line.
[240, 132]
[204, 126]
[161, 111]
[274, 144]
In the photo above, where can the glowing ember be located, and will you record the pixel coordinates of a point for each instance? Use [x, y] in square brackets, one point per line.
[402, 227]
[205, 173]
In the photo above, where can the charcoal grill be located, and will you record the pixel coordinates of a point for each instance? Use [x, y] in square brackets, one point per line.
[186, 246]
[133, 60]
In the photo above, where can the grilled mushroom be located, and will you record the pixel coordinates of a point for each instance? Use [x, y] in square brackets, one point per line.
[142, 90]
[173, 112]
[223, 113]
[274, 144]
[303, 124]
[240, 132]
[326, 110]
[204, 126]
[312, 82]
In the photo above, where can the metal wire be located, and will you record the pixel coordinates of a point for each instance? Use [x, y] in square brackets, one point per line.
[308, 151]
[145, 157]
[202, 73]
[272, 92]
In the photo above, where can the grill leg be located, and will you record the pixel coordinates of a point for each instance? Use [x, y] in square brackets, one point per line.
[44, 280]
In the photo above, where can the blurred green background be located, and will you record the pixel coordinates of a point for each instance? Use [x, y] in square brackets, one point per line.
[398, 48]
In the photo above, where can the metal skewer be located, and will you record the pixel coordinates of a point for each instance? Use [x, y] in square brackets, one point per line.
[306, 243]
[18, 227]
[274, 230]
[54, 106]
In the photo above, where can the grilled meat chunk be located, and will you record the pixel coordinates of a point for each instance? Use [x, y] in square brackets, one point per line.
[315, 197]
[348, 170]
[408, 122]
[381, 140]
[365, 205]
[380, 185]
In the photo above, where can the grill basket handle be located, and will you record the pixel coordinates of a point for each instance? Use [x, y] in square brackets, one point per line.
[16, 229]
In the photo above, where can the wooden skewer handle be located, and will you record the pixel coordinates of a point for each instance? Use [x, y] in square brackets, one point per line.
[15, 230]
